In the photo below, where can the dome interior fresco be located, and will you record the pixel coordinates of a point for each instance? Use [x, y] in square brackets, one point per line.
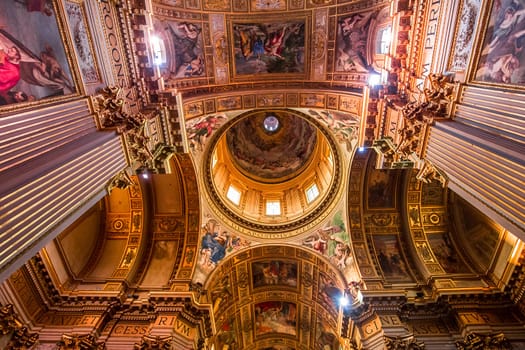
[280, 146]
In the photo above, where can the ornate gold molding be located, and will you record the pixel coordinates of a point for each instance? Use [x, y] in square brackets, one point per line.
[122, 180]
[409, 148]
[108, 108]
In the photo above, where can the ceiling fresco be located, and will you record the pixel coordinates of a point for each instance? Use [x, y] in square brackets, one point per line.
[353, 33]
[269, 47]
[181, 49]
[271, 155]
[262, 299]
[264, 225]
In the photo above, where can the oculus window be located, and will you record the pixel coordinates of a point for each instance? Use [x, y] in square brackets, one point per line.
[271, 124]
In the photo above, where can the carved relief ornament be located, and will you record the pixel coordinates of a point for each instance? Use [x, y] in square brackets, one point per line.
[154, 343]
[403, 343]
[74, 342]
[476, 341]
[10, 324]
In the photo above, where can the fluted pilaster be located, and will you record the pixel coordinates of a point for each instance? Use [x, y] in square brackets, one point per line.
[485, 169]
[54, 165]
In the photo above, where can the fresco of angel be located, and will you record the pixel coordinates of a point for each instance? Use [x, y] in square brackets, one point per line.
[352, 34]
[200, 130]
[184, 49]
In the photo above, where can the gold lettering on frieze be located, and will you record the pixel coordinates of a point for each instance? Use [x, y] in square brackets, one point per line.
[468, 318]
[390, 321]
[184, 330]
[429, 328]
[110, 23]
[126, 330]
[89, 320]
[371, 328]
[20, 285]
[165, 321]
[59, 320]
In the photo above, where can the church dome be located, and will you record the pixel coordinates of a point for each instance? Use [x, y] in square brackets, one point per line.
[277, 180]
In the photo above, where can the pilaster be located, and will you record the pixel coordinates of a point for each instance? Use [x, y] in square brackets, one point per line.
[55, 164]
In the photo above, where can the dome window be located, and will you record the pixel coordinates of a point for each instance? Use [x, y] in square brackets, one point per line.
[273, 207]
[312, 192]
[234, 195]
